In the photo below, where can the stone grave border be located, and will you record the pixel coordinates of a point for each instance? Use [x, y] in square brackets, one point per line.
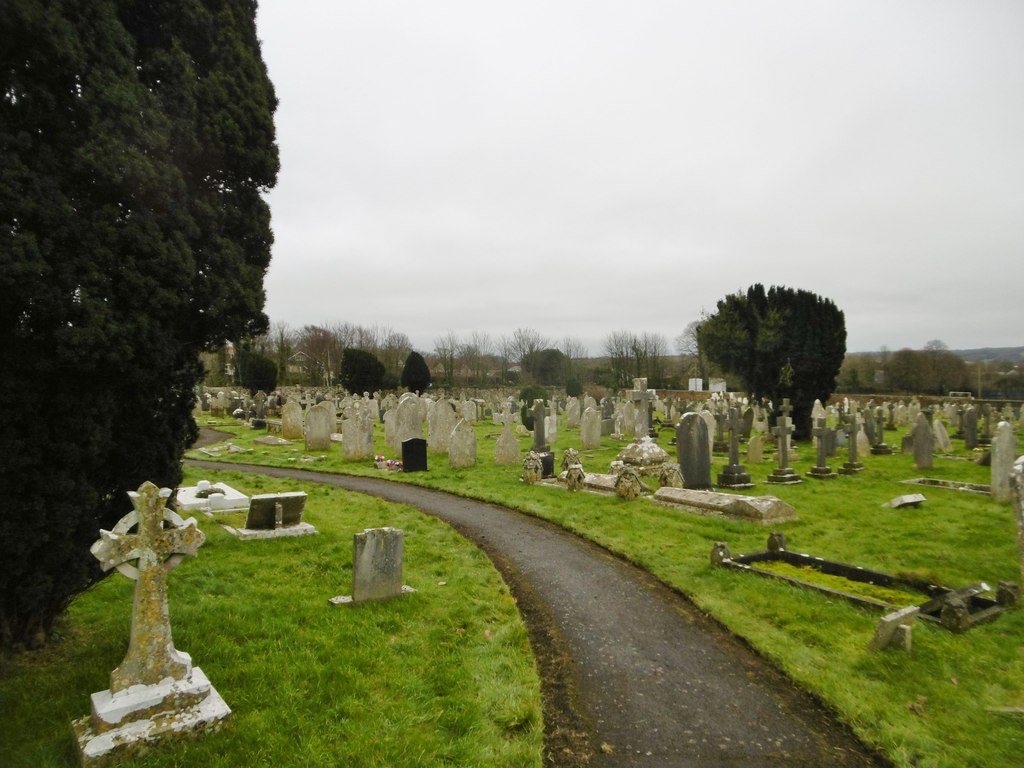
[955, 609]
[953, 485]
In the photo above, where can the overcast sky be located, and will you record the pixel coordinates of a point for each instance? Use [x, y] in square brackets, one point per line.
[585, 167]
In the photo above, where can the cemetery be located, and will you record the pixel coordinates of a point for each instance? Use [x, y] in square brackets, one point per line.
[823, 635]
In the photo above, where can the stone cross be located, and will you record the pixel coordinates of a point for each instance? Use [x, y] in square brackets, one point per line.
[819, 432]
[156, 551]
[782, 430]
[641, 395]
[735, 424]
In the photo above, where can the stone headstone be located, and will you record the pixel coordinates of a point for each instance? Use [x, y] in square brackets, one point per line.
[414, 455]
[291, 421]
[755, 450]
[462, 446]
[320, 423]
[155, 693]
[268, 511]
[1003, 453]
[590, 430]
[942, 440]
[376, 565]
[506, 449]
[923, 442]
[441, 420]
[692, 441]
[357, 437]
[969, 426]
[783, 474]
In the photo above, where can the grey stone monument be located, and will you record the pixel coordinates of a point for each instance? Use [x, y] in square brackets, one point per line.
[821, 469]
[734, 475]
[783, 474]
[692, 449]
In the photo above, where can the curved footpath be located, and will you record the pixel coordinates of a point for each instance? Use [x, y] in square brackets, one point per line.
[633, 673]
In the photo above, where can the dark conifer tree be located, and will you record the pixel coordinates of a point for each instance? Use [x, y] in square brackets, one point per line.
[415, 373]
[361, 371]
[781, 342]
[136, 139]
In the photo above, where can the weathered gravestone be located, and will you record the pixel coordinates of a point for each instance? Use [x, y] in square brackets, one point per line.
[376, 566]
[155, 693]
[274, 515]
[1003, 453]
[462, 446]
[923, 440]
[506, 449]
[291, 421]
[441, 420]
[320, 423]
[357, 436]
[692, 450]
[590, 430]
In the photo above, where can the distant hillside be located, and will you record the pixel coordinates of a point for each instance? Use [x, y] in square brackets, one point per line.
[1009, 354]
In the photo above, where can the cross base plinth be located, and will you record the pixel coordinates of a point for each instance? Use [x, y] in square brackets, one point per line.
[783, 476]
[129, 721]
[851, 468]
[734, 476]
[881, 450]
[822, 473]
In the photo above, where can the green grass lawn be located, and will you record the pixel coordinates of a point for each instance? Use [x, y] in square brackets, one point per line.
[929, 707]
[444, 676]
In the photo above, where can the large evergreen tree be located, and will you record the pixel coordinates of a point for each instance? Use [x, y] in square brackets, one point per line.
[415, 373]
[361, 371]
[136, 139]
[781, 342]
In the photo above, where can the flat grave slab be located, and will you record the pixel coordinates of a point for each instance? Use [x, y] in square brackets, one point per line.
[758, 509]
[952, 485]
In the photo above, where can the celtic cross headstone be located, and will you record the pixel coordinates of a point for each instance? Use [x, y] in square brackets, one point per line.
[155, 692]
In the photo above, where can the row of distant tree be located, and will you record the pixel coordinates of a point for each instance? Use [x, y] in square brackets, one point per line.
[370, 358]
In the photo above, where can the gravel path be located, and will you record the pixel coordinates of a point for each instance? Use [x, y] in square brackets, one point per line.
[633, 674]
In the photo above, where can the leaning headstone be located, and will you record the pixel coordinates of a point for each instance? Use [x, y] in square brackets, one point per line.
[155, 694]
[692, 449]
[291, 421]
[941, 436]
[894, 630]
[376, 566]
[272, 516]
[1003, 450]
[923, 442]
[441, 420]
[462, 446]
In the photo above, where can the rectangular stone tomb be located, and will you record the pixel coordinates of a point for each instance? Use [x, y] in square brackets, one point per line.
[211, 498]
[757, 509]
[955, 609]
[274, 515]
